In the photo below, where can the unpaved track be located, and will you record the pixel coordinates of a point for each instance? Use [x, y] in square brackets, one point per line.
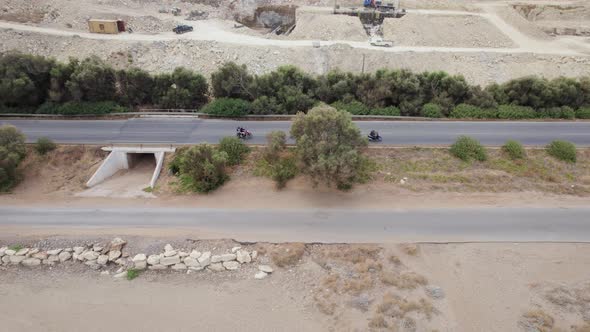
[206, 31]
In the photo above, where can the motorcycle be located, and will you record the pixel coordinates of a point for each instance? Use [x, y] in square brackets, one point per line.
[242, 133]
[375, 138]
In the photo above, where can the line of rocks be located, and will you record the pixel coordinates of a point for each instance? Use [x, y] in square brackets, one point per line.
[98, 257]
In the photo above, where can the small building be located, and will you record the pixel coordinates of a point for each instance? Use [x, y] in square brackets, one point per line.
[106, 26]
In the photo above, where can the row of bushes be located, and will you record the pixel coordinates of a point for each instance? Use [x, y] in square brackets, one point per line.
[467, 149]
[465, 111]
[28, 82]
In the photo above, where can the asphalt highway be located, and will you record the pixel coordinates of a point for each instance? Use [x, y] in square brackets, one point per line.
[325, 225]
[194, 130]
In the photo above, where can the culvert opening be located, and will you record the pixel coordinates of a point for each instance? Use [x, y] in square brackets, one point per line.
[141, 160]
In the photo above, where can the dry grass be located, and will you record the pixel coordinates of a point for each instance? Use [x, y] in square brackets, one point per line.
[325, 304]
[65, 169]
[287, 254]
[331, 282]
[537, 320]
[405, 280]
[410, 249]
[585, 328]
[395, 260]
[368, 266]
[395, 306]
[378, 322]
[430, 169]
[356, 286]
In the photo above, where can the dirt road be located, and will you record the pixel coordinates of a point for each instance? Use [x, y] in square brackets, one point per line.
[209, 31]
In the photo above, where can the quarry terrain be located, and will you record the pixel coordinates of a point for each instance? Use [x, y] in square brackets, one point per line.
[486, 41]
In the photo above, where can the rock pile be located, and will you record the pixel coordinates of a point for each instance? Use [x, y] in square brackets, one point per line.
[98, 257]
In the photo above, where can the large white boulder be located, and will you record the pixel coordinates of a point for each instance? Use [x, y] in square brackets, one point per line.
[64, 256]
[205, 258]
[170, 260]
[231, 265]
[31, 262]
[243, 256]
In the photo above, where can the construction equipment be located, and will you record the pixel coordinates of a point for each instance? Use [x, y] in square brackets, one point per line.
[106, 26]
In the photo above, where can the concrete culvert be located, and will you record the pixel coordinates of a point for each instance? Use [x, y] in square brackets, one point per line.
[127, 172]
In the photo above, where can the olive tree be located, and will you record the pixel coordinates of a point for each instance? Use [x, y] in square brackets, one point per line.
[328, 146]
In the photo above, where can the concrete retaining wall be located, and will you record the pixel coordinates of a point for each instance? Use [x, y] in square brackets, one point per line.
[159, 163]
[115, 161]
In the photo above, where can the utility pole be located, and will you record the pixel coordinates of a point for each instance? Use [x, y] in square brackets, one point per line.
[363, 69]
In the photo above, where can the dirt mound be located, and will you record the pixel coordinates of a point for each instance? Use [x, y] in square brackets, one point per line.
[62, 171]
[570, 12]
[512, 17]
[328, 27]
[444, 31]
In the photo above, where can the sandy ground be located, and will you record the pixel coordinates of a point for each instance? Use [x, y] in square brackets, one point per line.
[486, 287]
[70, 303]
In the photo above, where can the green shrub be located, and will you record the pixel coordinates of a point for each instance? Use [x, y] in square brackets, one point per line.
[227, 107]
[562, 150]
[276, 162]
[465, 111]
[583, 113]
[514, 149]
[276, 143]
[132, 274]
[82, 108]
[431, 110]
[12, 151]
[265, 106]
[563, 112]
[389, 111]
[174, 166]
[467, 148]
[44, 145]
[235, 149]
[283, 170]
[202, 168]
[516, 112]
[353, 107]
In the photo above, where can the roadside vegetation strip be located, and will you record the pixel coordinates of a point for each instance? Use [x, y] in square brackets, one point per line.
[467, 166]
[90, 86]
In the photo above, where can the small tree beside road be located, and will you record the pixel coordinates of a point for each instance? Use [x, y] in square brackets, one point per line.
[328, 145]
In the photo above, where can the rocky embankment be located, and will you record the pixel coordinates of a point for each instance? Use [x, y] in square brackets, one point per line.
[99, 257]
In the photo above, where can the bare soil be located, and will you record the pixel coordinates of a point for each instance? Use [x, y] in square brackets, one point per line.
[440, 30]
[336, 287]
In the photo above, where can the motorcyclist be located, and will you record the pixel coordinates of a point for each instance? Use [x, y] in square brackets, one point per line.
[241, 131]
[373, 134]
